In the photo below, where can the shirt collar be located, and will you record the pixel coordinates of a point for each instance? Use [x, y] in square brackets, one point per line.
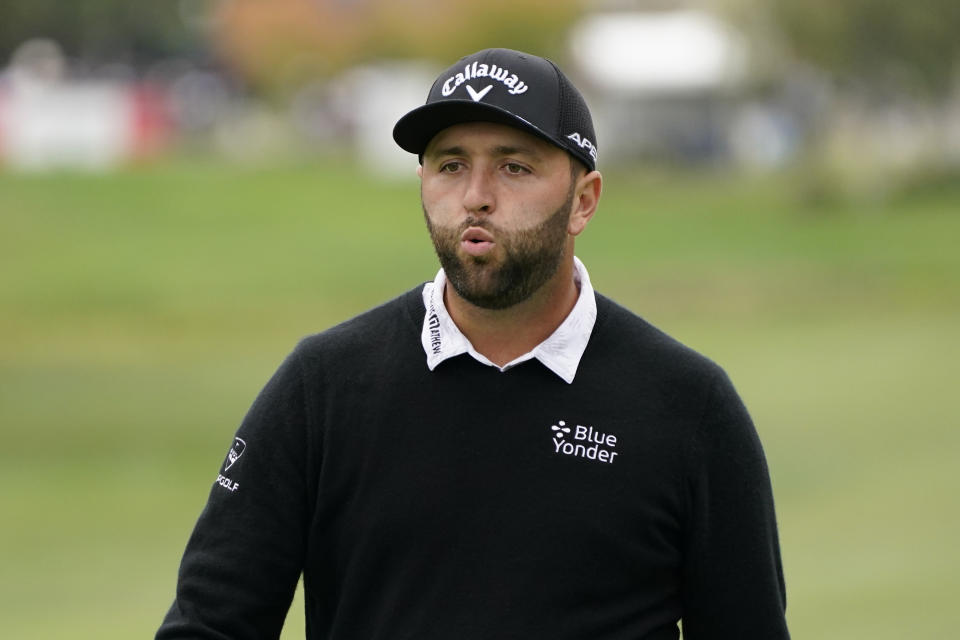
[560, 352]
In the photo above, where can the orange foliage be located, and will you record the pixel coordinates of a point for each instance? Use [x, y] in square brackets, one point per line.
[277, 44]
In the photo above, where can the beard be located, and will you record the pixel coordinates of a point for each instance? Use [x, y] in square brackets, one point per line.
[530, 258]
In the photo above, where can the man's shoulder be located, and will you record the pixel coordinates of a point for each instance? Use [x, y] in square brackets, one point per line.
[621, 331]
[370, 330]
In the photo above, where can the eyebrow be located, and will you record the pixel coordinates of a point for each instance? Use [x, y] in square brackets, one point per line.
[447, 151]
[499, 150]
[506, 150]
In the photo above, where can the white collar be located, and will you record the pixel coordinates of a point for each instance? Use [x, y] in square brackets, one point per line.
[560, 352]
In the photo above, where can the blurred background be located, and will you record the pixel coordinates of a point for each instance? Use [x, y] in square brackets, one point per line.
[187, 188]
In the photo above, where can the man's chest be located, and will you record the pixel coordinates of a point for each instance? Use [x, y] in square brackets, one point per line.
[494, 467]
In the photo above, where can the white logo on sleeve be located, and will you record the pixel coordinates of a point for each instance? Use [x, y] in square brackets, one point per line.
[235, 452]
[586, 442]
[232, 456]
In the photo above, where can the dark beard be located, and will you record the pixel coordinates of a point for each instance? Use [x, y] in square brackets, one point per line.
[532, 257]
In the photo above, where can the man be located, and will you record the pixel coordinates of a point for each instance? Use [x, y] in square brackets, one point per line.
[500, 453]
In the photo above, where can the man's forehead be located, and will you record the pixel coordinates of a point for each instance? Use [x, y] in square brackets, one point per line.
[486, 136]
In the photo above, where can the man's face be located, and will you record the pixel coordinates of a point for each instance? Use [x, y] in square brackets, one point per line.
[497, 202]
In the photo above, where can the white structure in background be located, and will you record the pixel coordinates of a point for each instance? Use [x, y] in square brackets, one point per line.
[49, 122]
[667, 85]
[663, 52]
[372, 99]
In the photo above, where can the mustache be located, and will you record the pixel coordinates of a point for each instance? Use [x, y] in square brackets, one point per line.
[480, 223]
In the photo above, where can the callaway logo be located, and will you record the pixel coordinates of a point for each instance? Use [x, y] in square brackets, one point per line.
[478, 70]
[478, 95]
[586, 443]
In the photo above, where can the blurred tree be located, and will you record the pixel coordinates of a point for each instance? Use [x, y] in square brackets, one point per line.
[279, 44]
[881, 44]
[99, 31]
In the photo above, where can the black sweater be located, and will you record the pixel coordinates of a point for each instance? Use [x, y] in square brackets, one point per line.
[466, 503]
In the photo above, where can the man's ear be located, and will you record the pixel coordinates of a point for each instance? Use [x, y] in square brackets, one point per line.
[586, 198]
[420, 171]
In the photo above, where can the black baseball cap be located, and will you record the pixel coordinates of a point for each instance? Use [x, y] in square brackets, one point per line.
[507, 87]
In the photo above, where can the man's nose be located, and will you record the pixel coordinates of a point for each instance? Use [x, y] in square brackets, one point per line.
[479, 196]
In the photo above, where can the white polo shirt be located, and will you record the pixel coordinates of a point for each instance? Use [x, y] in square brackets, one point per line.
[560, 352]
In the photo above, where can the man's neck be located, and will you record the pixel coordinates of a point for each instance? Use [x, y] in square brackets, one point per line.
[503, 335]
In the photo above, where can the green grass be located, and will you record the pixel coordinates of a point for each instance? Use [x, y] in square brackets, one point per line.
[141, 312]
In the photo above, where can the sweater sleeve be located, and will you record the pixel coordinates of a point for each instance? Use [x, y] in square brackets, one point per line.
[733, 580]
[245, 555]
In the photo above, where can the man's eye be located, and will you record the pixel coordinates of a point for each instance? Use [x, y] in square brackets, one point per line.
[450, 167]
[515, 169]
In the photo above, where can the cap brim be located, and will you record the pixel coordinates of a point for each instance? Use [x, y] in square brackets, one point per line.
[414, 131]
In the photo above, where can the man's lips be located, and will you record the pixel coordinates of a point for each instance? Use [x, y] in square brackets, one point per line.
[476, 241]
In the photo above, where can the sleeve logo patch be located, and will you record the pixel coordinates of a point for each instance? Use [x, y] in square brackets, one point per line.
[235, 452]
[232, 456]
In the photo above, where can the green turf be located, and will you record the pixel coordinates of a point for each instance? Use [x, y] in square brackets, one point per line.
[141, 311]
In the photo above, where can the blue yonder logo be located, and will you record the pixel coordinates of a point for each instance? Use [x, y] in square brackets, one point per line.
[583, 442]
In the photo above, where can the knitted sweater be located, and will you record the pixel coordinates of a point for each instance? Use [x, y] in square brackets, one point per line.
[466, 503]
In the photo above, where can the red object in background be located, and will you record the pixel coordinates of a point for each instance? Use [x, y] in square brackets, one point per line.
[82, 125]
[151, 126]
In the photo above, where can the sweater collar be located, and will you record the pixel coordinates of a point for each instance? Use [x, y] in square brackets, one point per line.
[560, 352]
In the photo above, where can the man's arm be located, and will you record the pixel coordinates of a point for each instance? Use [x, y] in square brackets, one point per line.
[733, 579]
[244, 558]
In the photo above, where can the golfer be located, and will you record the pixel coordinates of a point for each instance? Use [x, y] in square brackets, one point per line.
[502, 452]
